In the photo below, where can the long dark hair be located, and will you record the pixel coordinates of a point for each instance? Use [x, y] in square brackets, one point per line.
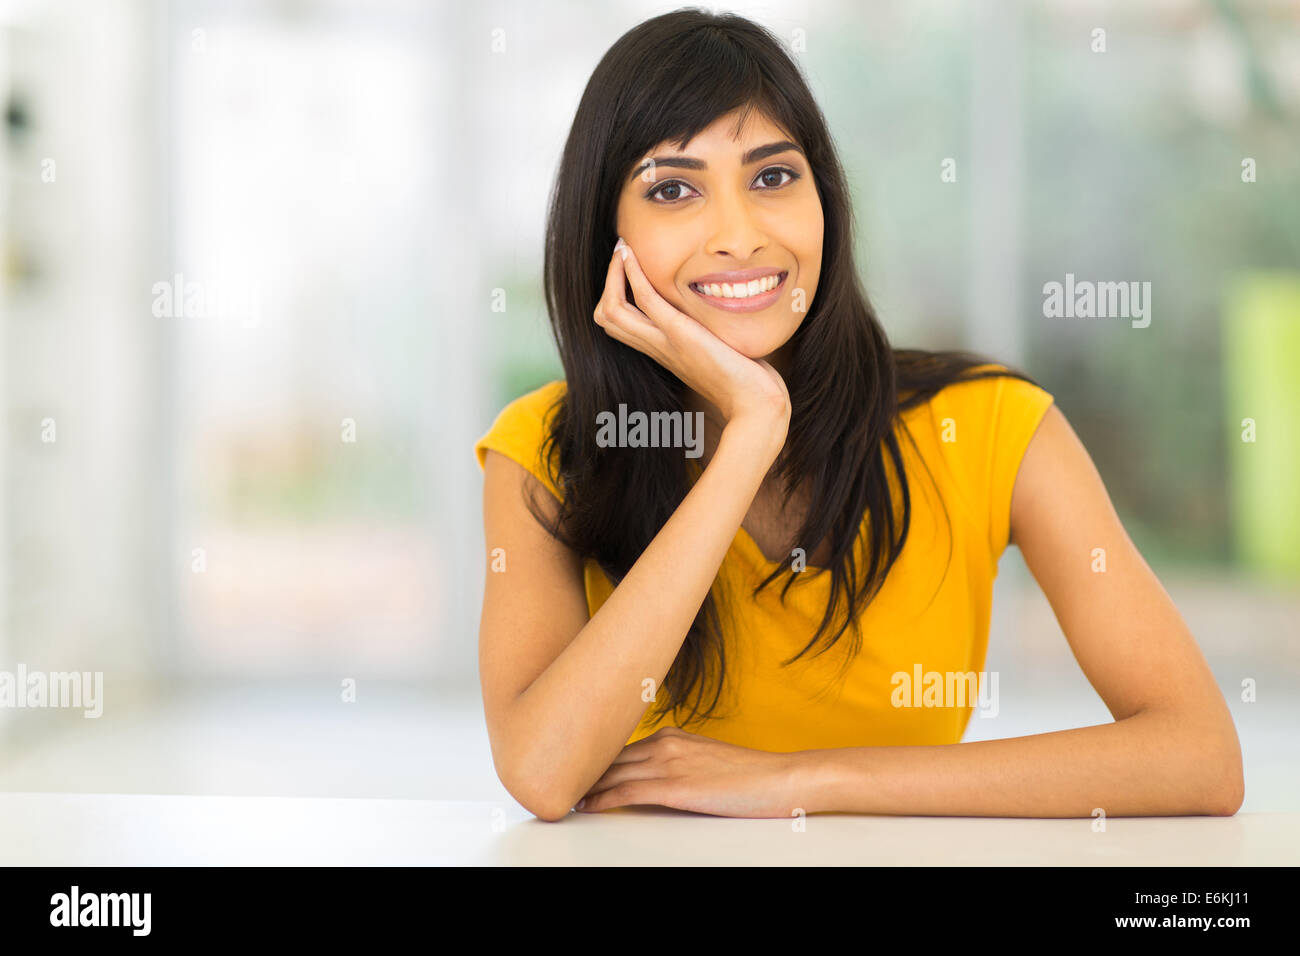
[666, 80]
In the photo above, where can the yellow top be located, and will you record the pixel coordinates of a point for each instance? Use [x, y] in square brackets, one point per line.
[921, 630]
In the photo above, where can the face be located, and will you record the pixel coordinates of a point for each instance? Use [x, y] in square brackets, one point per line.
[733, 241]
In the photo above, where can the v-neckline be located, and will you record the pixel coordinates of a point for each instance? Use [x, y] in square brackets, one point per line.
[748, 543]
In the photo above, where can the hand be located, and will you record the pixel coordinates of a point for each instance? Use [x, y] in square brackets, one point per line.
[736, 385]
[674, 768]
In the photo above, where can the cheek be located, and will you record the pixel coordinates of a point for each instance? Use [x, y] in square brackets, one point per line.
[661, 277]
[813, 235]
[810, 241]
[660, 268]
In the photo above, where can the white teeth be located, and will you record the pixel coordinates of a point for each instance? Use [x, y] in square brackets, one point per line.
[741, 290]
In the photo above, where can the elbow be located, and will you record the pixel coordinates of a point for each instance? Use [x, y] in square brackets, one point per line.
[544, 804]
[1209, 774]
[551, 814]
[531, 778]
[1228, 786]
[538, 795]
[1229, 797]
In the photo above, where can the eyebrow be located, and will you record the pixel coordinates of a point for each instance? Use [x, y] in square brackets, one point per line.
[687, 162]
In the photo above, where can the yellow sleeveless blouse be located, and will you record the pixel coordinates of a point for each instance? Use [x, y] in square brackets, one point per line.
[917, 676]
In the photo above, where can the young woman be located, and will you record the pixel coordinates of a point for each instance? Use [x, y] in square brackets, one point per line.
[785, 618]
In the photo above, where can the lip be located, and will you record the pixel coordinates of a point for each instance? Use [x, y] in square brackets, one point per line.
[753, 303]
[740, 275]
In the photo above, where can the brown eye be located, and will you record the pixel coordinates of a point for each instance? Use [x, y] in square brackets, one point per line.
[670, 191]
[660, 191]
[777, 171]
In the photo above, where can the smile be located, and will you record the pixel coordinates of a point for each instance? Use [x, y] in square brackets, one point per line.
[742, 296]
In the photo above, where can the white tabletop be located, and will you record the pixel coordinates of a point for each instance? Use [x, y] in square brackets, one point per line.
[75, 829]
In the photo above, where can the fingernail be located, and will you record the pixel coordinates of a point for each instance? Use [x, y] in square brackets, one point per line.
[620, 244]
[581, 803]
[625, 253]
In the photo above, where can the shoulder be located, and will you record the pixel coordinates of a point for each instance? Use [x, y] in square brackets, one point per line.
[520, 429]
[983, 395]
[988, 407]
[980, 428]
[530, 410]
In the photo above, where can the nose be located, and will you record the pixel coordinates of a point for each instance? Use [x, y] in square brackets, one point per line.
[734, 227]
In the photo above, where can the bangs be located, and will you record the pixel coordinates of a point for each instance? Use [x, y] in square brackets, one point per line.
[706, 76]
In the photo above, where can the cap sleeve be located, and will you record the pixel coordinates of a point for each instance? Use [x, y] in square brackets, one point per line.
[1018, 408]
[520, 430]
[986, 425]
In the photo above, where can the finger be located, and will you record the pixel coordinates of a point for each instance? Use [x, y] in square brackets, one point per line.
[644, 748]
[615, 330]
[623, 772]
[617, 308]
[633, 753]
[658, 309]
[631, 794]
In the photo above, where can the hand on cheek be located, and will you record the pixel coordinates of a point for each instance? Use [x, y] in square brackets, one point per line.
[729, 380]
[647, 276]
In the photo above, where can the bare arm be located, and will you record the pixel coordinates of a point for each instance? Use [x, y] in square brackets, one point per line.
[562, 694]
[1172, 748]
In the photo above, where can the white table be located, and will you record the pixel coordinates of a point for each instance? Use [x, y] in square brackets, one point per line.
[75, 829]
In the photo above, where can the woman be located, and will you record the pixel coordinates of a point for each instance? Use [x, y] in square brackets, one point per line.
[777, 621]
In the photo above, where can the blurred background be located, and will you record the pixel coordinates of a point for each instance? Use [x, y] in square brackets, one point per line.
[248, 258]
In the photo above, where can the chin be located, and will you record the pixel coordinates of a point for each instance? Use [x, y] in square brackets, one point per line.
[754, 339]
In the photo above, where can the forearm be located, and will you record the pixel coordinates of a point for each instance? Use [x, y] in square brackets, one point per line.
[576, 716]
[1150, 764]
